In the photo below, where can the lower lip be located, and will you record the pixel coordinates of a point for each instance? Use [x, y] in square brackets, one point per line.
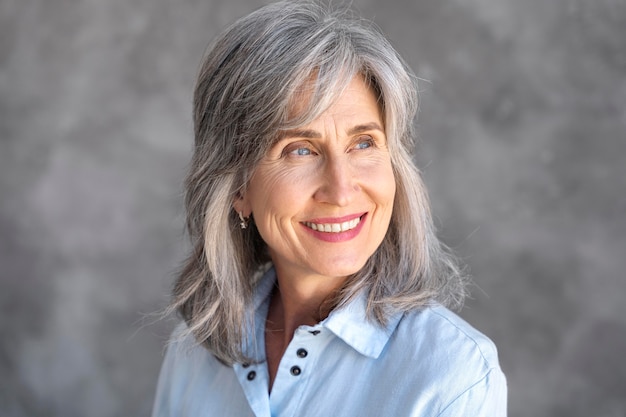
[337, 237]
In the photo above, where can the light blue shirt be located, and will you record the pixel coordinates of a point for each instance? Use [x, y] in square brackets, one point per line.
[425, 363]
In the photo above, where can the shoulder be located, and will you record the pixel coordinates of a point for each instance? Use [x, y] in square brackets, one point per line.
[437, 331]
[186, 352]
[193, 382]
[447, 354]
[185, 366]
[447, 333]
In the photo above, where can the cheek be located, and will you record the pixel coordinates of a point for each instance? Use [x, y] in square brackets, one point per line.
[387, 182]
[378, 177]
[385, 193]
[276, 197]
[277, 193]
[385, 199]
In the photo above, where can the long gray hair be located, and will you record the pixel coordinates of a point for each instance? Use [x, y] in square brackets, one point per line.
[248, 81]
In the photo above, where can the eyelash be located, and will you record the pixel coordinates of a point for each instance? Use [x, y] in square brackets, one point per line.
[295, 150]
[366, 139]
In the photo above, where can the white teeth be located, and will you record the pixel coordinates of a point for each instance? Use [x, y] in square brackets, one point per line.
[334, 227]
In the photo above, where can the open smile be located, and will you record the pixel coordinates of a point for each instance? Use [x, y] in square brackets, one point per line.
[334, 227]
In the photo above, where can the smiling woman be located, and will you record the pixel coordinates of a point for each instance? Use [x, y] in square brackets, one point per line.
[316, 182]
[316, 276]
[322, 199]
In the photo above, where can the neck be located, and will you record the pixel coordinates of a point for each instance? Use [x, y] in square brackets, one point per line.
[300, 301]
[297, 301]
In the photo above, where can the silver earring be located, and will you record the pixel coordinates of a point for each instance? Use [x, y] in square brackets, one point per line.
[243, 221]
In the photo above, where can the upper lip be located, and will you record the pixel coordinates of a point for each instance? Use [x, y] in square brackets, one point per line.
[330, 220]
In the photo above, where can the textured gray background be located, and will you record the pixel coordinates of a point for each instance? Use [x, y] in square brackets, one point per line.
[523, 122]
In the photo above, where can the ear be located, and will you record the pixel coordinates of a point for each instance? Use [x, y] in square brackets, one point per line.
[241, 204]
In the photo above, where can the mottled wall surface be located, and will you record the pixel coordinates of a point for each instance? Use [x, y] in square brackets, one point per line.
[523, 127]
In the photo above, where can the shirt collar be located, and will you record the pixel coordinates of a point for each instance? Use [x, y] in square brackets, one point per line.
[348, 322]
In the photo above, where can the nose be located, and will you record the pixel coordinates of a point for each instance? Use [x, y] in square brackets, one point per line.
[338, 185]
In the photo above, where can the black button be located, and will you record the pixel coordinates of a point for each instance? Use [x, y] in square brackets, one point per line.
[251, 375]
[314, 332]
[295, 370]
[245, 365]
[302, 353]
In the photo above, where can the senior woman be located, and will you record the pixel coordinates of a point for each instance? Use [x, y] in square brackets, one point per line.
[316, 285]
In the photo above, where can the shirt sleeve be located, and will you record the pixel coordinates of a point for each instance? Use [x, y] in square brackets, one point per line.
[171, 382]
[162, 406]
[486, 398]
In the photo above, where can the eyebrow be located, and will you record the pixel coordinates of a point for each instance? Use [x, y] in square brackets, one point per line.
[364, 128]
[312, 134]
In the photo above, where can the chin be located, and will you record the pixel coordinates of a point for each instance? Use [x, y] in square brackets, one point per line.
[343, 270]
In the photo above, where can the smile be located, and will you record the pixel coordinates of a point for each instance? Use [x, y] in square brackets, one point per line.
[334, 227]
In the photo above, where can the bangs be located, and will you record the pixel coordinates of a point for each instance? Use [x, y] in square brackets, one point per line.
[322, 86]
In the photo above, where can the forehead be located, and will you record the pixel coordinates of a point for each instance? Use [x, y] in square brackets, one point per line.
[347, 96]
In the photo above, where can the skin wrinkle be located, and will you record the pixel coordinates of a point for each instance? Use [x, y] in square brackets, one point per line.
[345, 168]
[326, 50]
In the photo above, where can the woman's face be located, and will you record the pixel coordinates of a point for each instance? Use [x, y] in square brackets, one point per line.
[323, 195]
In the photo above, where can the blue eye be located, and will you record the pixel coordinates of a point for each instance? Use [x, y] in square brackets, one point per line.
[364, 144]
[301, 152]
[297, 149]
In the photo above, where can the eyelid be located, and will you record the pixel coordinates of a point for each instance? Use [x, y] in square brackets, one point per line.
[295, 145]
[373, 141]
[361, 138]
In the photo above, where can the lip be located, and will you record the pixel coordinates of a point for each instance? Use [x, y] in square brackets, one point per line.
[339, 236]
[324, 220]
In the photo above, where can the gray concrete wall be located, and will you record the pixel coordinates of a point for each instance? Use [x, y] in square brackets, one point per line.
[523, 121]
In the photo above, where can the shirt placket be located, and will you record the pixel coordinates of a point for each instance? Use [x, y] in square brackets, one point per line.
[296, 371]
[253, 380]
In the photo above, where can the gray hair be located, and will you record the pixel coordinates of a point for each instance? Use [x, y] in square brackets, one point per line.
[247, 84]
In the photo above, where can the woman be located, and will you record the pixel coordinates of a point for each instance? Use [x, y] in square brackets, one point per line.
[316, 285]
